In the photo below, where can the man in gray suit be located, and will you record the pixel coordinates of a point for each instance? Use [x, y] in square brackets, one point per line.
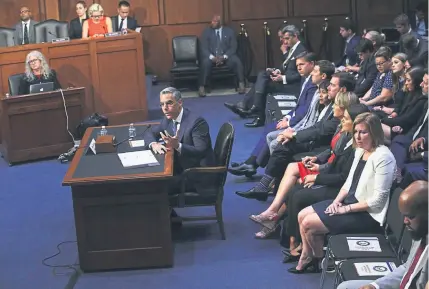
[413, 204]
[24, 30]
[218, 47]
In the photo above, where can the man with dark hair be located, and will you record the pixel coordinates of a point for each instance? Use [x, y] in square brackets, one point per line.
[413, 205]
[123, 20]
[24, 30]
[368, 70]
[419, 19]
[416, 50]
[294, 142]
[273, 80]
[403, 26]
[349, 56]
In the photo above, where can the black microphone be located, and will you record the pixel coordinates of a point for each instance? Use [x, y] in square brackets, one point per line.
[53, 34]
[130, 138]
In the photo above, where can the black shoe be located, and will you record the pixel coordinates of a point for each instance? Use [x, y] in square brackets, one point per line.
[288, 258]
[252, 194]
[243, 170]
[234, 164]
[238, 108]
[312, 267]
[253, 111]
[257, 122]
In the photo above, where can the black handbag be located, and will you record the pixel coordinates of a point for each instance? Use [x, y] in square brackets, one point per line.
[93, 120]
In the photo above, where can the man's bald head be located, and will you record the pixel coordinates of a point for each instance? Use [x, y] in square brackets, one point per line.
[24, 13]
[413, 204]
[216, 22]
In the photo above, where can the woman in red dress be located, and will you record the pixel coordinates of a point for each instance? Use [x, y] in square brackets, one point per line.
[97, 25]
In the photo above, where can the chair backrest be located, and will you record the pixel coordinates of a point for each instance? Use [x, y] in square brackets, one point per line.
[14, 81]
[185, 49]
[223, 147]
[50, 29]
[394, 218]
[6, 37]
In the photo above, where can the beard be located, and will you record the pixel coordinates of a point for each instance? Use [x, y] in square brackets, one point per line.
[420, 232]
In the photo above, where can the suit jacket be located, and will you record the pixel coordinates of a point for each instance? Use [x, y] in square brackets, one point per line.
[349, 52]
[413, 22]
[19, 36]
[75, 28]
[131, 23]
[24, 85]
[419, 277]
[289, 66]
[401, 46]
[320, 134]
[423, 131]
[366, 76]
[420, 56]
[195, 139]
[208, 40]
[304, 102]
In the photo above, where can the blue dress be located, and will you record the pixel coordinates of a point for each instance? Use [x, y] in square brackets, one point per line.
[357, 222]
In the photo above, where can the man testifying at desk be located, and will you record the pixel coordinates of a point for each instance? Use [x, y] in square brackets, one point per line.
[182, 131]
[24, 30]
[122, 20]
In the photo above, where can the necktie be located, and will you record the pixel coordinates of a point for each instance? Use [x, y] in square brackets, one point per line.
[26, 41]
[120, 24]
[420, 127]
[175, 124]
[410, 271]
[218, 42]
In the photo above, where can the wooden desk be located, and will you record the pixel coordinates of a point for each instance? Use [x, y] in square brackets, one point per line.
[122, 215]
[35, 126]
[111, 70]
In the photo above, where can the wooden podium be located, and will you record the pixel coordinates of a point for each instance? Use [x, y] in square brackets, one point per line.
[34, 126]
[111, 69]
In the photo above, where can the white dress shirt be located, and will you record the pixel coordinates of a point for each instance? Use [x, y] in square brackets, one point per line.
[287, 59]
[220, 36]
[178, 120]
[124, 24]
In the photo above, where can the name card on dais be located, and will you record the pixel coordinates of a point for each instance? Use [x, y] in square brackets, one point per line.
[58, 40]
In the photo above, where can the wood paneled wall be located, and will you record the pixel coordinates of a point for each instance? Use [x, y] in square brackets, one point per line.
[164, 19]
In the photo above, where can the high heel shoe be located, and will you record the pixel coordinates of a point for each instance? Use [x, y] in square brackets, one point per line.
[312, 267]
[266, 233]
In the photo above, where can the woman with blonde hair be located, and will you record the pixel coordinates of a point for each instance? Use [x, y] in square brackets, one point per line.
[97, 25]
[37, 71]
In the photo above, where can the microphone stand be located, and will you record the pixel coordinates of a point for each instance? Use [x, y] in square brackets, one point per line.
[131, 138]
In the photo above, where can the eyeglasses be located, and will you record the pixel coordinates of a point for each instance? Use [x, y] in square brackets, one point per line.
[24, 11]
[381, 63]
[410, 217]
[33, 61]
[96, 16]
[167, 103]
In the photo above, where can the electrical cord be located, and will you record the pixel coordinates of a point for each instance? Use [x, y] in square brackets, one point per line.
[71, 267]
[67, 116]
[66, 157]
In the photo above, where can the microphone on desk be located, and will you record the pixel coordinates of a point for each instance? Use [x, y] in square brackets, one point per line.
[130, 138]
[53, 34]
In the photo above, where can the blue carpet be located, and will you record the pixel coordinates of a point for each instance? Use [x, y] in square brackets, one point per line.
[37, 215]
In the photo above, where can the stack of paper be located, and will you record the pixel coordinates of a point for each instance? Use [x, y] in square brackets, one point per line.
[139, 158]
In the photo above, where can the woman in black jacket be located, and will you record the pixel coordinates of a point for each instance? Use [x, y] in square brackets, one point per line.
[75, 26]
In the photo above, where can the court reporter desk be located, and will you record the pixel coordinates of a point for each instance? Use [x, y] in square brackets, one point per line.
[34, 126]
[122, 215]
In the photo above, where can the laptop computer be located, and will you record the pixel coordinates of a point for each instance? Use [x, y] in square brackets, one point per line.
[41, 87]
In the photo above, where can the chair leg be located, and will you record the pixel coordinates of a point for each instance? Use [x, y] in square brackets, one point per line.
[219, 217]
[324, 269]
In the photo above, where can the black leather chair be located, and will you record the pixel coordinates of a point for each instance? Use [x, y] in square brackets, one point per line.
[14, 81]
[50, 29]
[213, 192]
[6, 37]
[185, 58]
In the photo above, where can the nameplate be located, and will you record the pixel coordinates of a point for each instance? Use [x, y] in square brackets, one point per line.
[58, 40]
[112, 34]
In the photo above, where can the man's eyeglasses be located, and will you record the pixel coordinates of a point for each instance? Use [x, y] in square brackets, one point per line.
[32, 61]
[381, 63]
[410, 217]
[24, 11]
[167, 103]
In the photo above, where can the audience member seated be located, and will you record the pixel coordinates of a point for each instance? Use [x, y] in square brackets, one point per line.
[122, 20]
[75, 26]
[320, 170]
[291, 143]
[403, 26]
[416, 50]
[321, 73]
[409, 146]
[381, 91]
[376, 38]
[24, 30]
[361, 204]
[349, 56]
[37, 71]
[98, 24]
[219, 47]
[284, 80]
[413, 205]
[367, 71]
[406, 116]
[418, 168]
[419, 19]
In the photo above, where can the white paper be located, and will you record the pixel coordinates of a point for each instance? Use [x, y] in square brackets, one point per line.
[137, 143]
[139, 158]
[284, 112]
[364, 244]
[284, 97]
[286, 104]
[374, 268]
[138, 29]
[92, 146]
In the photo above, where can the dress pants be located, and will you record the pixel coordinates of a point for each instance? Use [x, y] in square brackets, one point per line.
[261, 150]
[233, 62]
[399, 148]
[272, 139]
[414, 172]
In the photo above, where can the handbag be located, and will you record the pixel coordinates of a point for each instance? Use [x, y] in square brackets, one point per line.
[93, 120]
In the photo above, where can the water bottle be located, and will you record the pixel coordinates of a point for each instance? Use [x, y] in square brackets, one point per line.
[7, 95]
[131, 131]
[103, 130]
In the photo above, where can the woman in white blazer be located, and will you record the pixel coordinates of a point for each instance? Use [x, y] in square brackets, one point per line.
[361, 204]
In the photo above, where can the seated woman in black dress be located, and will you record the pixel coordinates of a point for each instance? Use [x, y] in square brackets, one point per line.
[75, 27]
[37, 71]
[361, 204]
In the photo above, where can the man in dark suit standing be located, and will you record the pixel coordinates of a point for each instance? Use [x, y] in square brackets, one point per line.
[182, 131]
[367, 71]
[419, 19]
[122, 20]
[218, 47]
[24, 30]
[349, 55]
[274, 80]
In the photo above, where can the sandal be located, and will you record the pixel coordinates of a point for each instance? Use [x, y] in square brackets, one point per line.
[261, 219]
[266, 232]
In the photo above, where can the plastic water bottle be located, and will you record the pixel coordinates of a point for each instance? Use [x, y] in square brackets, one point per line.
[103, 130]
[7, 95]
[132, 131]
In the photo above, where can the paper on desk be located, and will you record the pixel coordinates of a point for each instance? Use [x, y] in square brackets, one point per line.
[286, 104]
[365, 244]
[137, 143]
[284, 97]
[374, 268]
[139, 158]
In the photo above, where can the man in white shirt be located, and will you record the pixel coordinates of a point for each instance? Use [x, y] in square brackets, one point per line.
[24, 30]
[123, 20]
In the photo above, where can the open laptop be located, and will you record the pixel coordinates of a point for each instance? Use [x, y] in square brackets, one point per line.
[41, 87]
